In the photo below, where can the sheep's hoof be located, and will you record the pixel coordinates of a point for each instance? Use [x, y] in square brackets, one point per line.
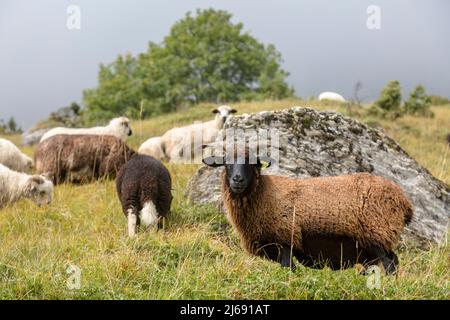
[390, 264]
[293, 267]
[286, 259]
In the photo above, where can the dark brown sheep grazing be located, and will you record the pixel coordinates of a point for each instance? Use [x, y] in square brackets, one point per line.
[448, 139]
[144, 188]
[81, 158]
[342, 220]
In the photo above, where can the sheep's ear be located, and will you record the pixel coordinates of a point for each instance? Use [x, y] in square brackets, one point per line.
[34, 182]
[215, 111]
[37, 180]
[233, 111]
[265, 162]
[46, 175]
[213, 161]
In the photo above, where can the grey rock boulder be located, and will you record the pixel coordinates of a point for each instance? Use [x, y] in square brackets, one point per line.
[327, 143]
[30, 138]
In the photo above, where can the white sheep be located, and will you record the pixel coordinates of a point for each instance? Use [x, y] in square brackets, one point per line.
[177, 140]
[118, 127]
[153, 147]
[333, 96]
[16, 185]
[13, 158]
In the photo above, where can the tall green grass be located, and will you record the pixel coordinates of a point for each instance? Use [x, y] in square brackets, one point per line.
[197, 255]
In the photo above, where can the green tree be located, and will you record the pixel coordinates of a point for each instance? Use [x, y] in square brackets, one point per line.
[390, 99]
[13, 127]
[2, 126]
[205, 58]
[10, 127]
[119, 91]
[418, 103]
[389, 102]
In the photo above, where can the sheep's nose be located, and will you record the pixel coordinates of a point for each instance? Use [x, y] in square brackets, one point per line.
[238, 179]
[130, 132]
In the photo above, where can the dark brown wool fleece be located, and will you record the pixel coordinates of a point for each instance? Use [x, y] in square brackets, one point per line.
[144, 179]
[369, 210]
[81, 158]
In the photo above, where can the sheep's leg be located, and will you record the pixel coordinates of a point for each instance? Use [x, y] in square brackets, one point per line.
[132, 223]
[388, 259]
[148, 215]
[161, 223]
[390, 263]
[286, 258]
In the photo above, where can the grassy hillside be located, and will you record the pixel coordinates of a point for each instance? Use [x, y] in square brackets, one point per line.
[197, 255]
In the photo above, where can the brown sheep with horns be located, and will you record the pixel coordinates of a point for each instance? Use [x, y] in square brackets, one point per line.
[341, 220]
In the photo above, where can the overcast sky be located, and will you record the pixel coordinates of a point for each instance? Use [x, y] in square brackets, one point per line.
[326, 45]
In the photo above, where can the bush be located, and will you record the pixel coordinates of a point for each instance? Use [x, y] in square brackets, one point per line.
[70, 116]
[9, 127]
[205, 58]
[418, 103]
[438, 100]
[391, 97]
[389, 102]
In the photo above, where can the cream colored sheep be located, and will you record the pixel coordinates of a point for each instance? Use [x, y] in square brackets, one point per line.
[13, 158]
[176, 140]
[153, 147]
[16, 185]
[331, 96]
[117, 127]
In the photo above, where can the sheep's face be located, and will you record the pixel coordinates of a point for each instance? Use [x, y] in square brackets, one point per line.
[123, 126]
[28, 164]
[40, 190]
[223, 113]
[242, 173]
[240, 176]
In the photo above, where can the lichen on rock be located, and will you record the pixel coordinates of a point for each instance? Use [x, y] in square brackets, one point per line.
[327, 143]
